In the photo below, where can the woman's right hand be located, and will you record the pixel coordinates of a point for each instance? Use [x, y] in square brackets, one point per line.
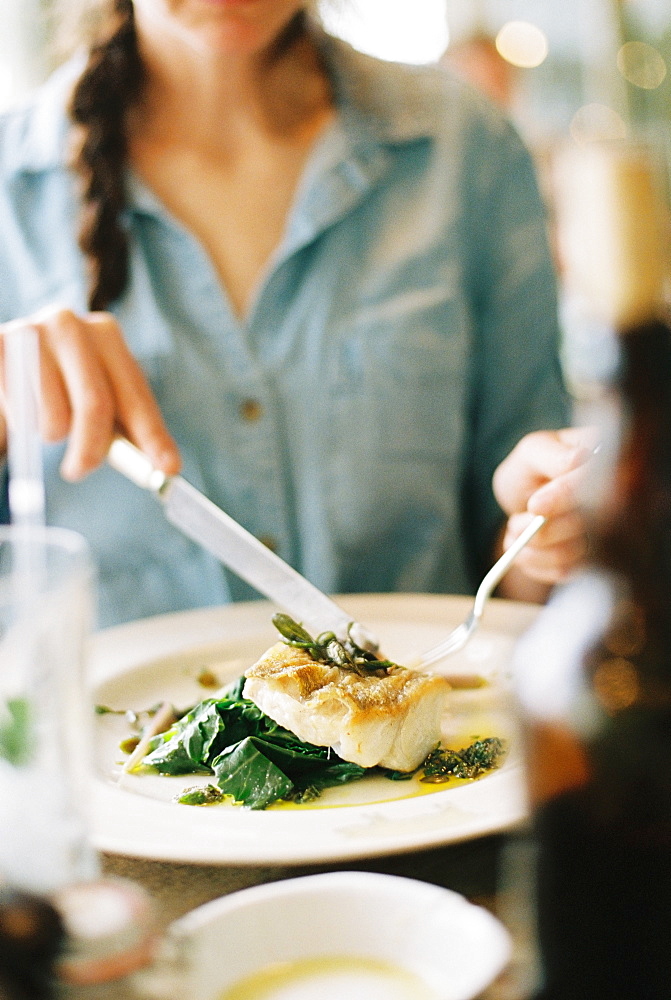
[91, 388]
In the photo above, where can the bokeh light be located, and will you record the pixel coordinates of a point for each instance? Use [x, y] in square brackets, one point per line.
[522, 44]
[597, 122]
[617, 684]
[641, 64]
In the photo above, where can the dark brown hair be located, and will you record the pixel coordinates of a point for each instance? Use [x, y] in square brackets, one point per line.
[108, 86]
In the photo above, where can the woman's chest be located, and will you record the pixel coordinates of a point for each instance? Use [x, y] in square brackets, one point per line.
[235, 204]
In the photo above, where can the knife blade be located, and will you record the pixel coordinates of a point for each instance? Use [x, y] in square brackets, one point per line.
[209, 526]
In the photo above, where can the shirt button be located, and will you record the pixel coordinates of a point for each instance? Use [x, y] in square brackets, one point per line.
[251, 410]
[270, 542]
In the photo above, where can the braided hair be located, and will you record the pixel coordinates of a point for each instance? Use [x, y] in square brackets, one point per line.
[108, 86]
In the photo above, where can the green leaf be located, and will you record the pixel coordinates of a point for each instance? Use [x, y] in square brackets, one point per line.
[341, 772]
[184, 747]
[397, 775]
[196, 739]
[201, 795]
[305, 763]
[246, 773]
[254, 760]
[15, 732]
[291, 630]
[469, 762]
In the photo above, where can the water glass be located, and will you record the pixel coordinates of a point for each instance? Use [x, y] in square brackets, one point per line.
[46, 613]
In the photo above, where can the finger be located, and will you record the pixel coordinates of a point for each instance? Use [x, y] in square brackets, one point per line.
[567, 528]
[88, 390]
[552, 565]
[584, 439]
[137, 411]
[55, 409]
[548, 455]
[558, 496]
[537, 459]
[554, 551]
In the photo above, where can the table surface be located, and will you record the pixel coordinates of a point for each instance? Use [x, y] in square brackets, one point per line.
[477, 869]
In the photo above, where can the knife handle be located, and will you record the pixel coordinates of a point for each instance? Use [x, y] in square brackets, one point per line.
[134, 464]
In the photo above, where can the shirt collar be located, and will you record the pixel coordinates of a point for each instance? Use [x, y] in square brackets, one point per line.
[381, 101]
[377, 106]
[42, 125]
[380, 106]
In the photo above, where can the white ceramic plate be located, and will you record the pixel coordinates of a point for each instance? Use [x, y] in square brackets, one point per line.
[135, 666]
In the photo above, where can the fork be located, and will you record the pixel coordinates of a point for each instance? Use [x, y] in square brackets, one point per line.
[460, 635]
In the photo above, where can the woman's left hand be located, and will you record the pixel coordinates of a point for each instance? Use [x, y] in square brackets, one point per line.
[543, 475]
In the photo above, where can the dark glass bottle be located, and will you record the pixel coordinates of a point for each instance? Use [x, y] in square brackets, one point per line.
[599, 722]
[93, 940]
[31, 936]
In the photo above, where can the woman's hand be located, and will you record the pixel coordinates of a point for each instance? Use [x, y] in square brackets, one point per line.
[542, 475]
[91, 387]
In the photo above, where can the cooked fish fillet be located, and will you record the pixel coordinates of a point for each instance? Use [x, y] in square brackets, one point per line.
[393, 720]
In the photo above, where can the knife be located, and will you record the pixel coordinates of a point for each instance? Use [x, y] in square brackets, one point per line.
[203, 522]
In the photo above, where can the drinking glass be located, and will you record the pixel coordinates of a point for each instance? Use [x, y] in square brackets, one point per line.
[46, 613]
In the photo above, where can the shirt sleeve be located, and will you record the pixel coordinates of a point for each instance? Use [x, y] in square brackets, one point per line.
[516, 381]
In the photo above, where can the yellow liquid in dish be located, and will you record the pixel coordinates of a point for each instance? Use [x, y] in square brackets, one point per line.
[332, 978]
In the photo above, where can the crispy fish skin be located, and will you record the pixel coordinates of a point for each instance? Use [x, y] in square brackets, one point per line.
[392, 721]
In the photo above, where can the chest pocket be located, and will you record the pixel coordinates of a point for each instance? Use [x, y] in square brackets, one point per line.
[398, 386]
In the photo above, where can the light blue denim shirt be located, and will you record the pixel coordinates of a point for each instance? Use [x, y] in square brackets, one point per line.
[402, 339]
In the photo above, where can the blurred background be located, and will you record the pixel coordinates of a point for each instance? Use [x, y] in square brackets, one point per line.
[560, 67]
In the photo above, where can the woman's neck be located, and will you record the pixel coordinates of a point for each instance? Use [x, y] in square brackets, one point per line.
[223, 141]
[189, 95]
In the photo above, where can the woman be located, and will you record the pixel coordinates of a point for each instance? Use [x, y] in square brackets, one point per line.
[317, 283]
